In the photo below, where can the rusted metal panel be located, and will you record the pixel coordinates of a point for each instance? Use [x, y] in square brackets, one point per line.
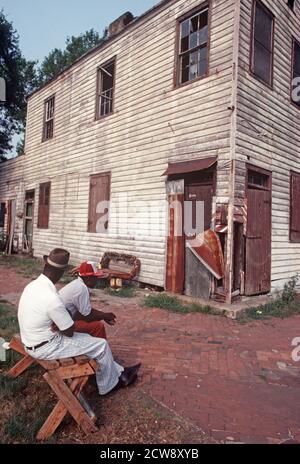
[208, 250]
[198, 282]
[258, 243]
[175, 245]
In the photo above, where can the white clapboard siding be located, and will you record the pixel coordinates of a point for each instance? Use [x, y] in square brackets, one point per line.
[268, 130]
[153, 124]
[12, 188]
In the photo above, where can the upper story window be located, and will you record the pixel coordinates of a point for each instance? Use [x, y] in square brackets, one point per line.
[105, 89]
[193, 46]
[49, 118]
[296, 73]
[262, 43]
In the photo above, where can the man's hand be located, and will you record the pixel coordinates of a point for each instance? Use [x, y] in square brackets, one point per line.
[110, 318]
[54, 328]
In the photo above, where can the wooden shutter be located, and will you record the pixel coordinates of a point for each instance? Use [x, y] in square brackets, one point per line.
[294, 208]
[99, 192]
[44, 206]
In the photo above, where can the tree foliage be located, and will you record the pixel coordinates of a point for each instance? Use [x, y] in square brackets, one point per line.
[20, 77]
[58, 60]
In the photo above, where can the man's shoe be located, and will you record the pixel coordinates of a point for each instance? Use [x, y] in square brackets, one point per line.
[129, 375]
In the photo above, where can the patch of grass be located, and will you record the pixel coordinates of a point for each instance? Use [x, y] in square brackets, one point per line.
[8, 320]
[28, 267]
[124, 292]
[285, 306]
[173, 304]
[9, 388]
[22, 425]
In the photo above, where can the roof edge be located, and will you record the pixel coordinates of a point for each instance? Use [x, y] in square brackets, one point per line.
[100, 45]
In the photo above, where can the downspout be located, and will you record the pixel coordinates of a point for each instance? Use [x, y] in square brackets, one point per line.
[233, 130]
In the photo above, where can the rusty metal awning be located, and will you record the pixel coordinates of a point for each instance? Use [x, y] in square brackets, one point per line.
[190, 166]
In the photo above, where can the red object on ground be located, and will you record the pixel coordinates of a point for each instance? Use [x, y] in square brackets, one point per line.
[95, 329]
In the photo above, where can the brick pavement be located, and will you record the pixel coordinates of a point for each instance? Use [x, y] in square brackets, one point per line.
[236, 382]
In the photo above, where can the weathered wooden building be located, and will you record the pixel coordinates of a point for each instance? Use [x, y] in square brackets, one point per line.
[192, 101]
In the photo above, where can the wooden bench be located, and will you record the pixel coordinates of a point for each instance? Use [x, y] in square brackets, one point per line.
[67, 378]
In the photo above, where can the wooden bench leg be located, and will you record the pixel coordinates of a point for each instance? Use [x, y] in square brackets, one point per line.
[21, 366]
[68, 402]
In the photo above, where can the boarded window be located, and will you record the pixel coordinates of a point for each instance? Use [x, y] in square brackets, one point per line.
[262, 43]
[49, 118]
[193, 46]
[296, 73]
[99, 203]
[44, 206]
[105, 89]
[294, 208]
[2, 214]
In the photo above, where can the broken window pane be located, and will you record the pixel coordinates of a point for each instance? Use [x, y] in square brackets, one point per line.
[185, 28]
[106, 89]
[193, 46]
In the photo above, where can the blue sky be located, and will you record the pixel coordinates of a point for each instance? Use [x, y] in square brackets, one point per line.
[45, 24]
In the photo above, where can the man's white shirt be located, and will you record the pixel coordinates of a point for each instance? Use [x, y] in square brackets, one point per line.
[76, 297]
[40, 305]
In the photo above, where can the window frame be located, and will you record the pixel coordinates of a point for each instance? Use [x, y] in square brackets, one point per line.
[294, 41]
[45, 121]
[252, 47]
[179, 20]
[98, 116]
[39, 225]
[291, 208]
[108, 175]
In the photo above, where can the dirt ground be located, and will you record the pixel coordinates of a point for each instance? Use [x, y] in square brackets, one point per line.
[205, 379]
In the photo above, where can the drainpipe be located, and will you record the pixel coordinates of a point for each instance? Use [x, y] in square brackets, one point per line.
[233, 130]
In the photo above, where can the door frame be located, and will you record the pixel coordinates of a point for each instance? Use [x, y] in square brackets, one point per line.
[25, 218]
[268, 188]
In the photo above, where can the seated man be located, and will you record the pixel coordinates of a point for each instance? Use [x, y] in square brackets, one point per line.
[40, 307]
[76, 298]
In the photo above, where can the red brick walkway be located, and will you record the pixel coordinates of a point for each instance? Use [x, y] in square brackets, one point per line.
[236, 382]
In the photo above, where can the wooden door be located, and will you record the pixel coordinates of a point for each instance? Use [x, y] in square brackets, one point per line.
[28, 221]
[258, 242]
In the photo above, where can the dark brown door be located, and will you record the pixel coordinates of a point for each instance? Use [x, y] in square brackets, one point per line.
[197, 193]
[258, 242]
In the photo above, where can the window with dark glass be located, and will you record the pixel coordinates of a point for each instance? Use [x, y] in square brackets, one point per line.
[294, 208]
[44, 206]
[193, 46]
[49, 118]
[105, 89]
[296, 73]
[262, 43]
